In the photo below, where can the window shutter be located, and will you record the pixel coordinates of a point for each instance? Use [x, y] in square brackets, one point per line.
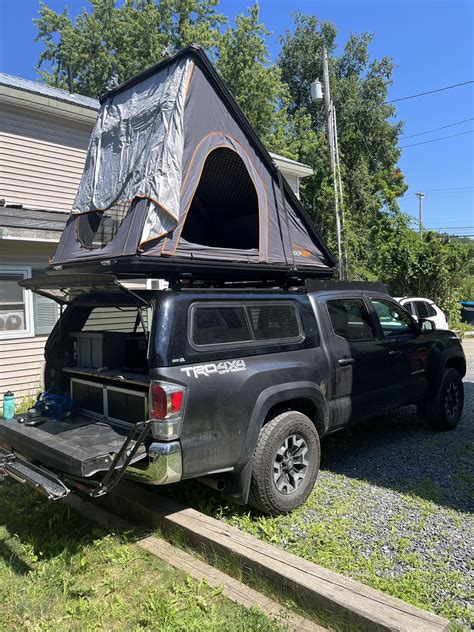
[45, 311]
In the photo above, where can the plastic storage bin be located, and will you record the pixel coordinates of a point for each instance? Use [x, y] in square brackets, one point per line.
[97, 349]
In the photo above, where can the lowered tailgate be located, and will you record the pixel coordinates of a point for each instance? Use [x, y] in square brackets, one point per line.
[78, 446]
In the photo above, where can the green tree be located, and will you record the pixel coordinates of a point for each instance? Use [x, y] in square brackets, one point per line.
[433, 266]
[244, 65]
[367, 137]
[112, 41]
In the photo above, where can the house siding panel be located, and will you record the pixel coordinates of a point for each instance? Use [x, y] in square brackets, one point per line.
[41, 159]
[21, 366]
[21, 359]
[293, 181]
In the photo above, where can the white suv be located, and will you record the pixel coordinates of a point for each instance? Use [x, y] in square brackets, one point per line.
[424, 308]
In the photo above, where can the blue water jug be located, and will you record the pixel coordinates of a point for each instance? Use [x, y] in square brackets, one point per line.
[8, 405]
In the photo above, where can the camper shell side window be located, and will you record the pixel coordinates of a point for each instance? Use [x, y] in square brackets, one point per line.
[227, 324]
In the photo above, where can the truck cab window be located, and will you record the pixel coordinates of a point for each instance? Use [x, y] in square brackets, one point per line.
[350, 319]
[393, 319]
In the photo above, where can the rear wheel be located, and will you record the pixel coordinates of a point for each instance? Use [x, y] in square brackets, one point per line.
[444, 411]
[285, 463]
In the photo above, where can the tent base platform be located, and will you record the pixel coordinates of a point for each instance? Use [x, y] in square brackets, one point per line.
[180, 269]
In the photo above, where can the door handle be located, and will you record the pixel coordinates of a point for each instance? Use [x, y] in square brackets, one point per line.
[394, 354]
[345, 361]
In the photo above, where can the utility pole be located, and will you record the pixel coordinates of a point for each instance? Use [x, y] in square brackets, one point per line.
[331, 137]
[420, 212]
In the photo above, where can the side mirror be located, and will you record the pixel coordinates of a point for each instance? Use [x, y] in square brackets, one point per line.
[426, 326]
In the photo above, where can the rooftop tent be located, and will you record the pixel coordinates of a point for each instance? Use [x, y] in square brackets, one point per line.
[176, 174]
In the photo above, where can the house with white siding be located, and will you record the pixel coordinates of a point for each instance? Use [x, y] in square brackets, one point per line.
[44, 135]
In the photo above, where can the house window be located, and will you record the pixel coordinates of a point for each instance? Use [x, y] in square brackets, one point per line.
[16, 304]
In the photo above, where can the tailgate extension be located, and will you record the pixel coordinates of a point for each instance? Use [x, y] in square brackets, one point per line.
[27, 473]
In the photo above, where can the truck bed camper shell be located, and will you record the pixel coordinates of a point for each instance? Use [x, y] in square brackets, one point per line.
[177, 181]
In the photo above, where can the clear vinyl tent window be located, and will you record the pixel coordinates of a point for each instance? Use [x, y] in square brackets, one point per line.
[224, 211]
[97, 228]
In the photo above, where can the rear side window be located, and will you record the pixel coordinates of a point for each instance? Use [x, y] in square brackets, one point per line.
[350, 319]
[273, 322]
[219, 325]
[421, 308]
[253, 322]
[424, 309]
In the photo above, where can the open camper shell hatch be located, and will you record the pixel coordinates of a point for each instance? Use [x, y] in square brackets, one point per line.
[89, 449]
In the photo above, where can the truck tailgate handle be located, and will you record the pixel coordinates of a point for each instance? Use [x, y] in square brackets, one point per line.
[345, 361]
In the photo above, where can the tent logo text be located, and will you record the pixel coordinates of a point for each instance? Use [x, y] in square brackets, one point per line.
[301, 252]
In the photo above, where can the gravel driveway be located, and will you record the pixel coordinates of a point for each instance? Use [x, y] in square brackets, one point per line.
[404, 462]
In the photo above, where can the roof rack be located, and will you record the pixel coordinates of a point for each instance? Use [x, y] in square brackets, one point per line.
[321, 285]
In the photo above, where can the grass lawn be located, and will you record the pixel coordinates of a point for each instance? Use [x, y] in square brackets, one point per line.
[58, 572]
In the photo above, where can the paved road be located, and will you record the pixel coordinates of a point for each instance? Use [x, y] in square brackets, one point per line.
[468, 345]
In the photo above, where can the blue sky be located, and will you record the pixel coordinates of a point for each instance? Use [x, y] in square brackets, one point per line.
[429, 40]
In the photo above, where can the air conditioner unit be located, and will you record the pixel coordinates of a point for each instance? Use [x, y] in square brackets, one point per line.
[12, 320]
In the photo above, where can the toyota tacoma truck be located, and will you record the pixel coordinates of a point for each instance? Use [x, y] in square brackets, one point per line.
[233, 386]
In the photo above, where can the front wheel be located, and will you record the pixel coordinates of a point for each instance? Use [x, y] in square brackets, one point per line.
[285, 463]
[444, 411]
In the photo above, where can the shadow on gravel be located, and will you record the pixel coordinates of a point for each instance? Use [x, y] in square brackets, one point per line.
[399, 451]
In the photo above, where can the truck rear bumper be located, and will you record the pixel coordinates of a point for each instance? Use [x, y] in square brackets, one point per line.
[165, 464]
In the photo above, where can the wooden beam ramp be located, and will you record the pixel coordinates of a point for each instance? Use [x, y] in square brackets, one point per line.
[318, 587]
[236, 591]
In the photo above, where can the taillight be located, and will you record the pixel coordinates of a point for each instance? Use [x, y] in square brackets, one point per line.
[166, 409]
[165, 400]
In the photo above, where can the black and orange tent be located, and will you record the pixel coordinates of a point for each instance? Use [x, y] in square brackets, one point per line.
[176, 178]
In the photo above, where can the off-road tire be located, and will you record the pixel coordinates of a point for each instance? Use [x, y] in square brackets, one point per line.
[440, 412]
[264, 494]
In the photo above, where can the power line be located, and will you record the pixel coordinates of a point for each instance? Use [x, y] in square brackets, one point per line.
[433, 140]
[422, 94]
[449, 189]
[435, 129]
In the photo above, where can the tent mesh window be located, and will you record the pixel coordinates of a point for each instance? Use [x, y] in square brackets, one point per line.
[97, 229]
[224, 210]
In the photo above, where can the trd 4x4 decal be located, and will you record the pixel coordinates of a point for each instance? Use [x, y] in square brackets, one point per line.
[227, 366]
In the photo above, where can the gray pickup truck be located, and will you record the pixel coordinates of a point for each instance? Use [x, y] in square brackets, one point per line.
[235, 387]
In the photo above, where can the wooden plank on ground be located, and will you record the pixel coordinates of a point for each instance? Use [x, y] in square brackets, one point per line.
[321, 588]
[233, 589]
